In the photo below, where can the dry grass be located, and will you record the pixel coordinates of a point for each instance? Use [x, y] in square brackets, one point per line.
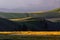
[32, 33]
[20, 19]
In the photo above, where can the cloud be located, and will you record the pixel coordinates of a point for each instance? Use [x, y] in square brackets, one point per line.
[32, 5]
[19, 3]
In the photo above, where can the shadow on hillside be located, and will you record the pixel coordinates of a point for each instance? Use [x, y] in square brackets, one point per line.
[7, 25]
[40, 24]
[37, 25]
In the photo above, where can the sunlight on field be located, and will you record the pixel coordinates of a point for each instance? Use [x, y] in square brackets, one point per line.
[32, 33]
[39, 11]
[19, 19]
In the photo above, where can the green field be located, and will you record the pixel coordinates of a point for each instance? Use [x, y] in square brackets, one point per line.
[49, 14]
[23, 15]
[22, 37]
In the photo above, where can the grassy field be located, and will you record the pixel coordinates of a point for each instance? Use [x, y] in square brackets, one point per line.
[22, 37]
[23, 15]
[31, 33]
[19, 19]
[28, 35]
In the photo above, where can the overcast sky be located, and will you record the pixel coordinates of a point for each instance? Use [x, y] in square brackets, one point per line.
[34, 5]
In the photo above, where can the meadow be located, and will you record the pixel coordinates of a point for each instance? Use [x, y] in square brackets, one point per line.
[21, 37]
[46, 15]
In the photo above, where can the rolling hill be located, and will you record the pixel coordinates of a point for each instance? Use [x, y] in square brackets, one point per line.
[6, 24]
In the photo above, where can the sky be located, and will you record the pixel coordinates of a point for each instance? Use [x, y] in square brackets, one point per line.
[28, 5]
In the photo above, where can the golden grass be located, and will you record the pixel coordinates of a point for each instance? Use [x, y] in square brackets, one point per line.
[32, 33]
[20, 19]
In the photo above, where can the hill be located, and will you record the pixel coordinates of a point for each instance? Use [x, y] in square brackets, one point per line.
[55, 10]
[47, 14]
[35, 25]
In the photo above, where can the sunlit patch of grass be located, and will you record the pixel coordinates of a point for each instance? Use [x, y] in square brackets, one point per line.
[19, 19]
[32, 33]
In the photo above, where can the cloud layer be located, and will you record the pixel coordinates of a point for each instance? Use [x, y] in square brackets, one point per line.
[30, 5]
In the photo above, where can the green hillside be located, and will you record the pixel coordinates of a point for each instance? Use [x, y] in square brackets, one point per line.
[53, 13]
[12, 15]
[22, 15]
[55, 10]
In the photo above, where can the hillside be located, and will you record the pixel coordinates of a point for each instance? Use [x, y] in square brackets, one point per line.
[36, 24]
[7, 25]
[12, 15]
[55, 10]
[48, 14]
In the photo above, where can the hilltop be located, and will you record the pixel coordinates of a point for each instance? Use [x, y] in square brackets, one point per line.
[55, 10]
[47, 14]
